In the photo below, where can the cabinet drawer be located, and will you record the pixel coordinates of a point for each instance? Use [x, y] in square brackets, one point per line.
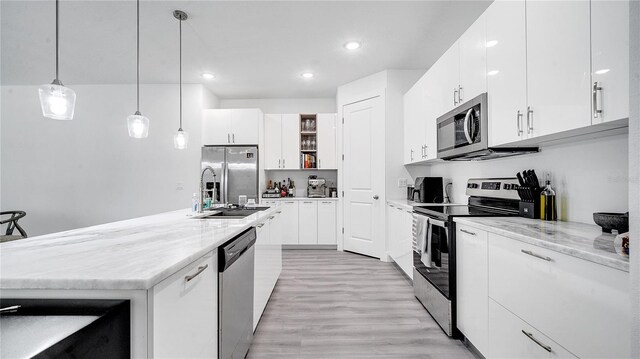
[185, 312]
[579, 304]
[511, 337]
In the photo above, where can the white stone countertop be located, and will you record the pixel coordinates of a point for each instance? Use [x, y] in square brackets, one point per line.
[125, 255]
[579, 240]
[408, 205]
[300, 199]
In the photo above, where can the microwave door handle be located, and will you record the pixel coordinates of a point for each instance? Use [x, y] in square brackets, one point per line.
[466, 126]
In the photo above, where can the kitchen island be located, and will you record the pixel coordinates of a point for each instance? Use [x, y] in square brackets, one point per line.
[139, 260]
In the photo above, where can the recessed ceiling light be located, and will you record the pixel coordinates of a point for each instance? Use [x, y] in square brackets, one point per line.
[352, 45]
[207, 76]
[492, 43]
[493, 72]
[602, 72]
[307, 75]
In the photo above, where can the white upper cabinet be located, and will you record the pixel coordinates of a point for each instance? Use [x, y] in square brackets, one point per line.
[231, 126]
[506, 71]
[414, 123]
[327, 143]
[610, 60]
[281, 141]
[473, 68]
[448, 78]
[291, 141]
[558, 66]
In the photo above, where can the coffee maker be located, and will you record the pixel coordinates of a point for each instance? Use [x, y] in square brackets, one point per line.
[316, 187]
[428, 190]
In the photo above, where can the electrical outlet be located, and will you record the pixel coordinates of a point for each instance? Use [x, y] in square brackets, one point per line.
[402, 182]
[179, 186]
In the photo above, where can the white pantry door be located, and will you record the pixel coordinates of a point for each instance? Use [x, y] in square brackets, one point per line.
[363, 177]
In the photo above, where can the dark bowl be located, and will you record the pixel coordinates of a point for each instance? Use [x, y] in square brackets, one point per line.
[609, 221]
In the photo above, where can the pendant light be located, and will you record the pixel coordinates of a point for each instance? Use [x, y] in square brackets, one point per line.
[181, 138]
[137, 124]
[57, 101]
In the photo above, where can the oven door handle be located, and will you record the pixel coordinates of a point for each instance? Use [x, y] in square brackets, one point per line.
[428, 262]
[438, 223]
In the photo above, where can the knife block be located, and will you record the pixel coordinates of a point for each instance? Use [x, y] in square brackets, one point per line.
[530, 209]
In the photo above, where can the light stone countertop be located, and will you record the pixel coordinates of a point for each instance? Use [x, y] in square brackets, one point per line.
[300, 199]
[408, 205]
[578, 240]
[125, 255]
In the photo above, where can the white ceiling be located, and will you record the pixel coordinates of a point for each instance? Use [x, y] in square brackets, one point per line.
[256, 49]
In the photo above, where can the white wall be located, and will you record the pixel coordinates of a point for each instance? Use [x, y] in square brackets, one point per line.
[588, 176]
[70, 174]
[634, 174]
[284, 105]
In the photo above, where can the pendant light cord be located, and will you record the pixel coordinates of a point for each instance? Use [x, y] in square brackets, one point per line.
[57, 21]
[180, 21]
[138, 56]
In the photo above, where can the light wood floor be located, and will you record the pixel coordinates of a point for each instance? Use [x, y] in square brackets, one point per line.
[330, 304]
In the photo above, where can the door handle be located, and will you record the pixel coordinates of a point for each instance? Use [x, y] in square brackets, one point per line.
[596, 112]
[467, 135]
[233, 137]
[545, 258]
[200, 270]
[467, 232]
[228, 138]
[529, 120]
[455, 93]
[460, 99]
[376, 197]
[519, 123]
[411, 155]
[530, 336]
[279, 163]
[283, 163]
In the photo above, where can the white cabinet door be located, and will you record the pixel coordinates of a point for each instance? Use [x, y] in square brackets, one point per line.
[506, 71]
[261, 287]
[327, 141]
[473, 69]
[308, 222]
[558, 66]
[610, 59]
[273, 141]
[447, 70]
[393, 232]
[472, 284]
[291, 141]
[275, 241]
[215, 127]
[414, 123]
[289, 222]
[511, 337]
[244, 126]
[327, 222]
[185, 314]
[433, 108]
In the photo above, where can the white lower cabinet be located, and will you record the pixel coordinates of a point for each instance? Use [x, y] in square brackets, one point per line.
[267, 264]
[327, 222]
[185, 312]
[511, 337]
[289, 222]
[399, 237]
[472, 284]
[308, 222]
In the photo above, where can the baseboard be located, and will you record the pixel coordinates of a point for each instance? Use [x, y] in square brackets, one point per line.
[309, 246]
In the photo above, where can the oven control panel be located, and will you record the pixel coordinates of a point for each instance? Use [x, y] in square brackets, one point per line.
[504, 188]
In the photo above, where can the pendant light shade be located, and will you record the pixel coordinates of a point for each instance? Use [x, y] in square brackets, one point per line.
[181, 138]
[57, 101]
[137, 124]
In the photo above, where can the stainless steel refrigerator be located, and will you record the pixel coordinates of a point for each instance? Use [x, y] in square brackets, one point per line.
[236, 169]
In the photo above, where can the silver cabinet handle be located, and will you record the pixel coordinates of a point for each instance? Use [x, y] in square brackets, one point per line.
[233, 138]
[410, 212]
[460, 99]
[307, 202]
[399, 209]
[228, 138]
[272, 217]
[200, 270]
[411, 155]
[455, 93]
[529, 120]
[530, 336]
[278, 212]
[536, 255]
[392, 206]
[283, 163]
[376, 197]
[290, 202]
[596, 111]
[467, 232]
[13, 308]
[519, 123]
[260, 225]
[279, 163]
[319, 163]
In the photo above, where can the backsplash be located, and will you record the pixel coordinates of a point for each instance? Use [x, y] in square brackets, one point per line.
[299, 178]
[588, 176]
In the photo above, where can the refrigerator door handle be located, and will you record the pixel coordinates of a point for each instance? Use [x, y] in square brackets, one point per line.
[226, 183]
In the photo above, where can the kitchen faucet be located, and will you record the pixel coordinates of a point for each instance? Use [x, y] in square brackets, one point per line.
[202, 189]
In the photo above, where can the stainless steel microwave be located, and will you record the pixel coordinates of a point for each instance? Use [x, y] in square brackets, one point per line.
[463, 134]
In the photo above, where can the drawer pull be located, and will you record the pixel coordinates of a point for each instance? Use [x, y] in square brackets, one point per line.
[11, 309]
[535, 255]
[467, 232]
[278, 212]
[260, 225]
[530, 336]
[200, 270]
[272, 217]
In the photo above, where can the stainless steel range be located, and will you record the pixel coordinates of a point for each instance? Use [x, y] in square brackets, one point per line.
[434, 243]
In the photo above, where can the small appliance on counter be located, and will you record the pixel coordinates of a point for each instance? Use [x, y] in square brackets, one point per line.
[316, 187]
[427, 190]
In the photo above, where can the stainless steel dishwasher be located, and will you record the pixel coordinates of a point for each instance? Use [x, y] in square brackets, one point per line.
[235, 295]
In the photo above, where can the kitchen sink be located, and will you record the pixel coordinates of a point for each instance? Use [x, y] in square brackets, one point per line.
[230, 213]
